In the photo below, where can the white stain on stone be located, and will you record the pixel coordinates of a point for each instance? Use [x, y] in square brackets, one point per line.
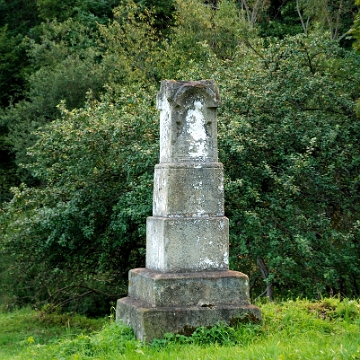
[209, 263]
[198, 185]
[160, 205]
[154, 250]
[226, 258]
[199, 212]
[165, 129]
[196, 130]
[221, 225]
[160, 258]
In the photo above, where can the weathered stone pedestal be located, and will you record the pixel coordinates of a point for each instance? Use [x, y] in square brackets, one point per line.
[187, 282]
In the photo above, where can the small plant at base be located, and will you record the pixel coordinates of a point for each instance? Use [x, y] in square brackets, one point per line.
[113, 338]
[112, 315]
[348, 310]
[68, 329]
[221, 334]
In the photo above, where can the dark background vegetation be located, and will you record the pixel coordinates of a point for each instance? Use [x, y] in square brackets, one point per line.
[79, 140]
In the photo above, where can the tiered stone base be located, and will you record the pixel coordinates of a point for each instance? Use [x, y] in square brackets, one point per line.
[179, 303]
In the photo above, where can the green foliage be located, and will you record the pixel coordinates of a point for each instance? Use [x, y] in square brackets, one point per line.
[163, 12]
[282, 19]
[19, 15]
[335, 16]
[199, 27]
[49, 9]
[355, 30]
[13, 67]
[8, 176]
[355, 33]
[111, 231]
[86, 224]
[291, 17]
[87, 12]
[288, 140]
[68, 67]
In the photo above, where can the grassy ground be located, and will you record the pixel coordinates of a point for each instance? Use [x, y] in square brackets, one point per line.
[327, 329]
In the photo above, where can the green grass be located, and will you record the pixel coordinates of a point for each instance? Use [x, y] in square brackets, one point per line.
[326, 329]
[23, 329]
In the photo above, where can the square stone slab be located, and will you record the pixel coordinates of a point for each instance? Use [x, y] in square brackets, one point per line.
[204, 289]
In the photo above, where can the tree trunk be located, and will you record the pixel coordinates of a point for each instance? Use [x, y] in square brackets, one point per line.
[265, 273]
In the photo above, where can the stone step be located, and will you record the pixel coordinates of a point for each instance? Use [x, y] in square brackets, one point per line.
[149, 323]
[204, 289]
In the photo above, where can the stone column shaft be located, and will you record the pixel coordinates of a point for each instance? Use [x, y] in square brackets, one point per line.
[188, 230]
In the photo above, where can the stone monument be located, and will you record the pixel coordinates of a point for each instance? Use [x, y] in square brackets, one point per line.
[187, 282]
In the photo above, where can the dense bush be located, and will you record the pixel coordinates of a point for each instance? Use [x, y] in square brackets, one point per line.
[289, 139]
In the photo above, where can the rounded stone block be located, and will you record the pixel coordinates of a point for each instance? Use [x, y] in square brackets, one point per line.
[188, 128]
[204, 289]
[189, 190]
[187, 244]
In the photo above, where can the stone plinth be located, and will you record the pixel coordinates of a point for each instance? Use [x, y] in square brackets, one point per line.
[186, 282]
[204, 289]
[187, 244]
